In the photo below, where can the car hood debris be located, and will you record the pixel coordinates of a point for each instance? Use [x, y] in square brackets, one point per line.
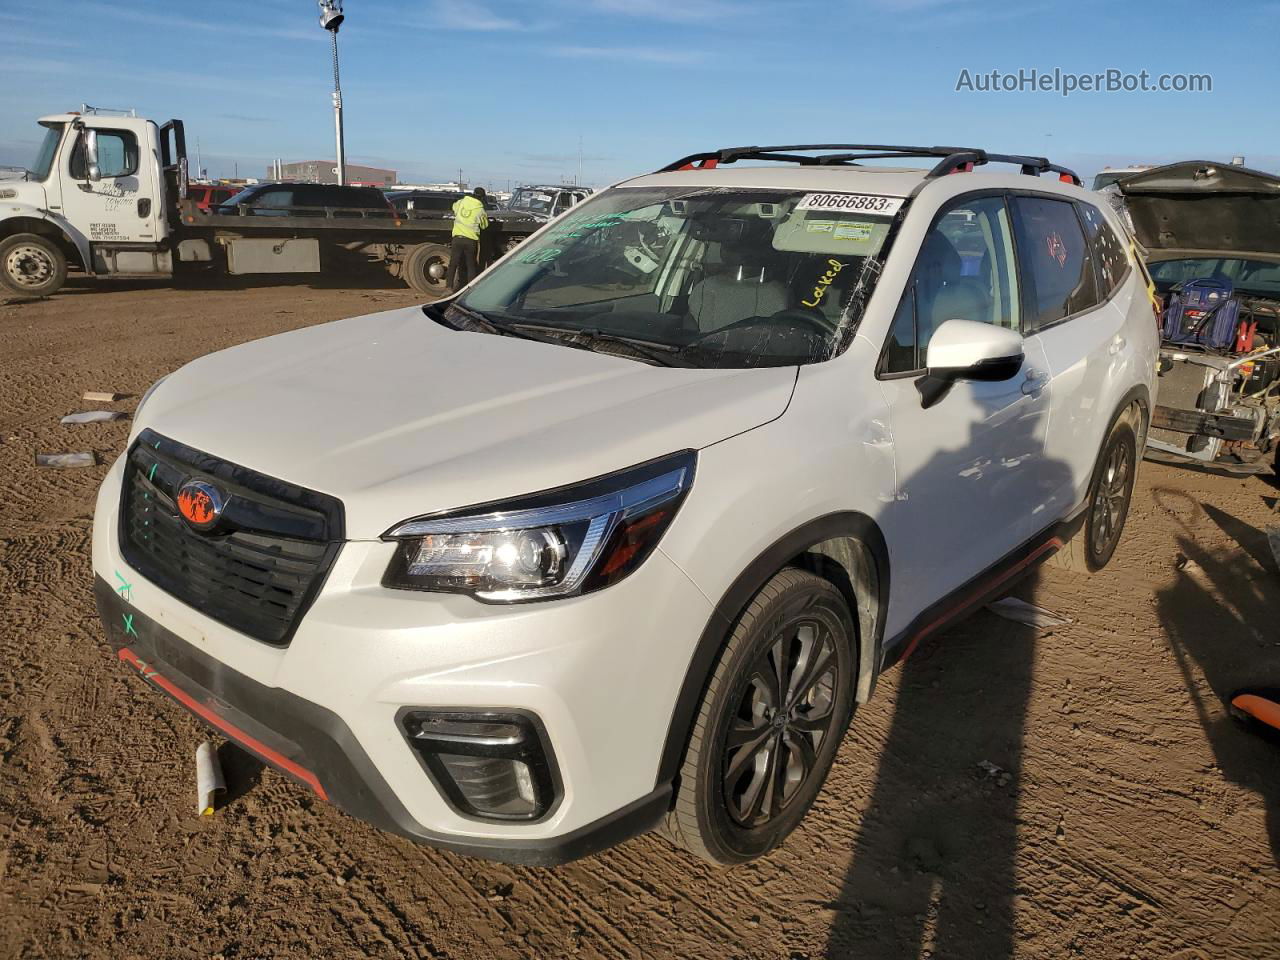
[1198, 207]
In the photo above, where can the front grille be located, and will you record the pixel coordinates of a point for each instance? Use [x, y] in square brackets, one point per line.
[258, 569]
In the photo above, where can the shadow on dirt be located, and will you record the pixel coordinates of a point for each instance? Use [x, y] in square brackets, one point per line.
[241, 772]
[933, 869]
[1222, 618]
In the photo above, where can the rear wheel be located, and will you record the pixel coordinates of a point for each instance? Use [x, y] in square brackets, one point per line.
[1108, 507]
[770, 722]
[32, 265]
[426, 267]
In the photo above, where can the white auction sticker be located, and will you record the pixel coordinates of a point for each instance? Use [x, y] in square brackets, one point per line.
[852, 202]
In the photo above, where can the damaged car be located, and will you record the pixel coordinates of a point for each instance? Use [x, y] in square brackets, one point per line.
[1210, 235]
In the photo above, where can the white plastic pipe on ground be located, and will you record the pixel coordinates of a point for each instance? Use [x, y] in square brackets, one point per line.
[209, 782]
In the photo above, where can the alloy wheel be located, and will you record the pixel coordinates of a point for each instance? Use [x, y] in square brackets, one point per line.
[786, 711]
[1110, 501]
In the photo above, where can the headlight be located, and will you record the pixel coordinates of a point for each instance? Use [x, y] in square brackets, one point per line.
[567, 541]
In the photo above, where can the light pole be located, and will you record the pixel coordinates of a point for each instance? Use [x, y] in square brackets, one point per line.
[331, 19]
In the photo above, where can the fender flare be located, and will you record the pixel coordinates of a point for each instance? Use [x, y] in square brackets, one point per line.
[848, 544]
[1141, 395]
[27, 211]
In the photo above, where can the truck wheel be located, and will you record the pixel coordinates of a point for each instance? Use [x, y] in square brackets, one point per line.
[426, 267]
[32, 265]
[1108, 507]
[766, 732]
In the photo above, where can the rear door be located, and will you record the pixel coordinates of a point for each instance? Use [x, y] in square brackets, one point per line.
[970, 466]
[1071, 311]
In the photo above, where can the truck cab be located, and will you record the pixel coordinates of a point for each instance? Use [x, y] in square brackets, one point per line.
[92, 200]
[546, 202]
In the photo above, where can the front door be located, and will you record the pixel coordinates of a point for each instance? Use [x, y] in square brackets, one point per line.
[121, 206]
[969, 468]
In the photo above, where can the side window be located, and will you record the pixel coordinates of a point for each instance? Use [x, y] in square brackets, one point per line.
[117, 155]
[966, 270]
[1108, 250]
[274, 199]
[563, 202]
[1055, 260]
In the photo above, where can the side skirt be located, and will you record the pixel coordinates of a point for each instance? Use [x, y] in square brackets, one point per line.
[989, 585]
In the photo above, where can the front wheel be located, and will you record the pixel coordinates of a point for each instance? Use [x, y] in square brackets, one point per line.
[1108, 506]
[770, 721]
[32, 265]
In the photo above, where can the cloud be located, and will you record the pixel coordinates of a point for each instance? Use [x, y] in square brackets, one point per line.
[469, 15]
[632, 54]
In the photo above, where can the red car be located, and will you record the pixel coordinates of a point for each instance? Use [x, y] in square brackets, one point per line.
[207, 195]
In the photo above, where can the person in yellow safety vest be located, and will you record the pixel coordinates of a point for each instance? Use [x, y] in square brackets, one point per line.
[464, 253]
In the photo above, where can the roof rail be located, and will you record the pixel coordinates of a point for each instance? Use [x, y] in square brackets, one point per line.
[951, 159]
[102, 111]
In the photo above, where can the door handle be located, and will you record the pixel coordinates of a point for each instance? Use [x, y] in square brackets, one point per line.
[1035, 383]
[144, 207]
[1118, 343]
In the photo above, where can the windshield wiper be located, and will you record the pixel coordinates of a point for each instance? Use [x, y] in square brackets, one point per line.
[661, 354]
[479, 321]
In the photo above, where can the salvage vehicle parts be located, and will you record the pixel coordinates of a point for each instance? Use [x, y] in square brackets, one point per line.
[1210, 234]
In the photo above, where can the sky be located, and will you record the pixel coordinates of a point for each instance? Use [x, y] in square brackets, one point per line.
[531, 91]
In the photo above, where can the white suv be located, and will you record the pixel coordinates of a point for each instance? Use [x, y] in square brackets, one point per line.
[618, 537]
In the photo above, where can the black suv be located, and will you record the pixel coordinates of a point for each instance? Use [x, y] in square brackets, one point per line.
[307, 200]
[429, 203]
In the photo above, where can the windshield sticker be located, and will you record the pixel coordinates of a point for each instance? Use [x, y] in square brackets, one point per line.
[853, 202]
[819, 226]
[854, 231]
[824, 282]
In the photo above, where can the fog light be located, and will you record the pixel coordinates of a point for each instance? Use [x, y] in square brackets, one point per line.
[488, 765]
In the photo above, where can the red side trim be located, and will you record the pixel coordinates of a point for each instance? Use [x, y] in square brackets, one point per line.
[229, 729]
[985, 587]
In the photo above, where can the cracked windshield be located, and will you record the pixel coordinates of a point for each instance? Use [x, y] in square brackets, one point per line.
[693, 277]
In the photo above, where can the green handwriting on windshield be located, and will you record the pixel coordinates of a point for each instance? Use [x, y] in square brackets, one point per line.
[573, 228]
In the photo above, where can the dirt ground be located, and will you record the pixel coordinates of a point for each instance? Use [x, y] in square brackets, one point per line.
[1127, 815]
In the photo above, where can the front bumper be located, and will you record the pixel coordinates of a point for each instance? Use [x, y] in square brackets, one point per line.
[601, 673]
[314, 747]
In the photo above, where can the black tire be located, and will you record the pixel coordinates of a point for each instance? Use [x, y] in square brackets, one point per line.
[795, 618]
[426, 267]
[1110, 494]
[32, 265]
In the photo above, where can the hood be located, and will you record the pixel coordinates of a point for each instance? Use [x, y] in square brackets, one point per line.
[398, 416]
[1199, 207]
[515, 217]
[18, 191]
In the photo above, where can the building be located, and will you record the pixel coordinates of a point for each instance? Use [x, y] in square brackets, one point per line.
[321, 171]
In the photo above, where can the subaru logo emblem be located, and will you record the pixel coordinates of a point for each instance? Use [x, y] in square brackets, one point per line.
[201, 504]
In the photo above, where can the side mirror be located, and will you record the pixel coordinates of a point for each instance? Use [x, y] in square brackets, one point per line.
[92, 171]
[968, 350]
